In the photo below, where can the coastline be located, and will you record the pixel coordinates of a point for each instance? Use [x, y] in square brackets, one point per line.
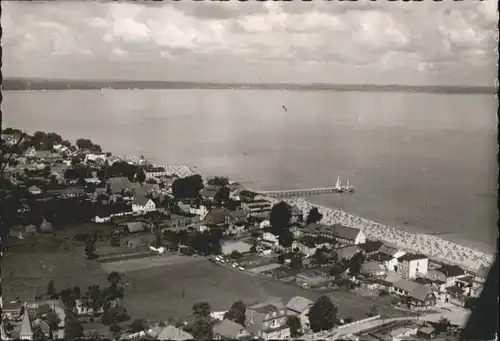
[432, 246]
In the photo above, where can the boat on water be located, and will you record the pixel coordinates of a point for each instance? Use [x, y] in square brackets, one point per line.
[339, 188]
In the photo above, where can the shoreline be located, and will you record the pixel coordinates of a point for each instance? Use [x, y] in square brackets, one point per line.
[432, 246]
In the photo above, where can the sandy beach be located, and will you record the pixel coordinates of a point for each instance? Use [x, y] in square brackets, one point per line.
[432, 246]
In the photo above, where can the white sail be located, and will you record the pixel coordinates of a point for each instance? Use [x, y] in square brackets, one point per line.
[338, 184]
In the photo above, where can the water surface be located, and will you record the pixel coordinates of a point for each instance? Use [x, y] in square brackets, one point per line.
[421, 160]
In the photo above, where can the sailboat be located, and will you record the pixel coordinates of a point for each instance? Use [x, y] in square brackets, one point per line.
[338, 185]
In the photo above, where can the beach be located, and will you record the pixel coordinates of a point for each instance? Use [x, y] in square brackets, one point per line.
[432, 246]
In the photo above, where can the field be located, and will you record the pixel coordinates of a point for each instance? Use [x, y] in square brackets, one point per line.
[168, 292]
[138, 263]
[30, 268]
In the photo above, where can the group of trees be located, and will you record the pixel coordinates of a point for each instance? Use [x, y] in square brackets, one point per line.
[187, 187]
[323, 314]
[202, 326]
[281, 214]
[206, 242]
[314, 216]
[46, 141]
[87, 144]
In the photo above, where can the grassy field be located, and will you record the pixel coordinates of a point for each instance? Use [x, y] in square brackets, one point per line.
[60, 260]
[169, 292]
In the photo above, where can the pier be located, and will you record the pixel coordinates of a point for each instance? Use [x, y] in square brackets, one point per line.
[305, 192]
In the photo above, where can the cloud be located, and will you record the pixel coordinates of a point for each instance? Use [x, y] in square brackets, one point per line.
[426, 39]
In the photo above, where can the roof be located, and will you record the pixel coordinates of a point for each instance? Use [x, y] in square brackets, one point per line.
[345, 232]
[371, 267]
[135, 227]
[435, 275]
[411, 257]
[388, 250]
[172, 333]
[228, 329]
[209, 193]
[426, 330]
[266, 307]
[451, 270]
[347, 252]
[141, 200]
[415, 290]
[217, 215]
[372, 246]
[33, 188]
[26, 329]
[299, 304]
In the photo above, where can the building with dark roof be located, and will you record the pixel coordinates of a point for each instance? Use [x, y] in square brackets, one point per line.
[267, 321]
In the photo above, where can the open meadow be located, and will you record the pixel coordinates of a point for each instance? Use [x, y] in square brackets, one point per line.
[169, 292]
[27, 270]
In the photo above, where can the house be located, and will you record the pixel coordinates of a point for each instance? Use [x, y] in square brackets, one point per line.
[218, 216]
[183, 221]
[299, 306]
[208, 194]
[372, 269]
[347, 252]
[34, 190]
[229, 330]
[371, 248]
[297, 215]
[85, 310]
[348, 235]
[143, 204]
[155, 172]
[73, 192]
[30, 229]
[305, 246]
[200, 210]
[239, 246]
[173, 333]
[258, 208]
[45, 226]
[412, 265]
[427, 333]
[117, 185]
[388, 257]
[247, 196]
[135, 227]
[267, 321]
[451, 273]
[94, 181]
[234, 229]
[438, 286]
[418, 295]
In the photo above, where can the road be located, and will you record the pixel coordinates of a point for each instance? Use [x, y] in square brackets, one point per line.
[455, 317]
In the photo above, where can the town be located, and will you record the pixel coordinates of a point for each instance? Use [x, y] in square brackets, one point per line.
[101, 246]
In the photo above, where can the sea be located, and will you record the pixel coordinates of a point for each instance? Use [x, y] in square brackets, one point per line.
[423, 162]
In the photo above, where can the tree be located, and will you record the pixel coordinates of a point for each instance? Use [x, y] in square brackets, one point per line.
[53, 321]
[355, 263]
[202, 329]
[281, 213]
[253, 249]
[314, 216]
[218, 181]
[188, 187]
[51, 291]
[281, 259]
[293, 322]
[373, 311]
[114, 315]
[72, 328]
[222, 195]
[236, 313]
[84, 144]
[296, 263]
[202, 309]
[323, 314]
[140, 176]
[114, 279]
[137, 325]
[285, 238]
[115, 329]
[442, 325]
[235, 255]
[319, 257]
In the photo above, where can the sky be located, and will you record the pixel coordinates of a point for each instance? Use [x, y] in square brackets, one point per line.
[364, 42]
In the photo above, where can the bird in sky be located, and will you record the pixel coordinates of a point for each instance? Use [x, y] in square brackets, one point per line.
[284, 108]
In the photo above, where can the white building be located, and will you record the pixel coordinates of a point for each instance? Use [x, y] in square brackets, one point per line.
[143, 204]
[412, 265]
